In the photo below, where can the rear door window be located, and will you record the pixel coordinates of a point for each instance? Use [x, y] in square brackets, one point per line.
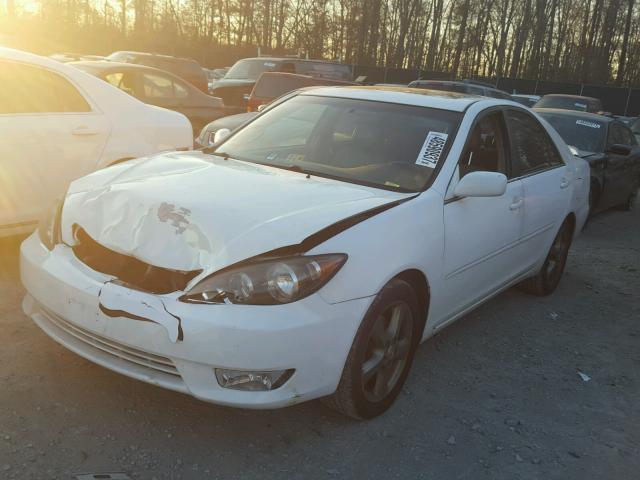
[157, 86]
[31, 89]
[532, 149]
[123, 81]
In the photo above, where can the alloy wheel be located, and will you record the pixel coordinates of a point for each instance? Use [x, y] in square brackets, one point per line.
[387, 351]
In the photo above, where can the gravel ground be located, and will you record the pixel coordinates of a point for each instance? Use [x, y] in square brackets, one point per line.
[497, 395]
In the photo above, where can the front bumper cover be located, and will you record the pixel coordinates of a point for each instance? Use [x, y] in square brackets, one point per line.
[311, 335]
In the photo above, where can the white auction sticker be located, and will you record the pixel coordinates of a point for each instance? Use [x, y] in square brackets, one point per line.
[432, 149]
[587, 124]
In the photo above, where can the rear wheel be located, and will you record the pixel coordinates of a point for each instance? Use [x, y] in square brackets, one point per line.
[381, 354]
[631, 200]
[548, 278]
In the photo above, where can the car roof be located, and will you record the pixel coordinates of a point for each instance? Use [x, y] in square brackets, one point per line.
[150, 54]
[457, 83]
[420, 97]
[293, 59]
[299, 76]
[104, 65]
[576, 97]
[575, 113]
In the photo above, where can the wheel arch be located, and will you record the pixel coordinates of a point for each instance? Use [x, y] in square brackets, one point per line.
[571, 220]
[418, 281]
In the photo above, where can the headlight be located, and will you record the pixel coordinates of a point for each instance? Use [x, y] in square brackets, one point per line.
[49, 226]
[268, 282]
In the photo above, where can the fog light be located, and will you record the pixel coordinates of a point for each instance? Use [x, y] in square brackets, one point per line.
[252, 381]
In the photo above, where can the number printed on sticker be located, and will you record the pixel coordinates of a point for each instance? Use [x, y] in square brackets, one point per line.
[432, 149]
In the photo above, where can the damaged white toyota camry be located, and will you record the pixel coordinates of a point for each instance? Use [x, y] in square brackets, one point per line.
[308, 253]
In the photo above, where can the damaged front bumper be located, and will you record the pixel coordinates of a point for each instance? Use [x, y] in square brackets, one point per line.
[160, 340]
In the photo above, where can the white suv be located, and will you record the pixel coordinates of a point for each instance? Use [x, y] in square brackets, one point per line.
[58, 123]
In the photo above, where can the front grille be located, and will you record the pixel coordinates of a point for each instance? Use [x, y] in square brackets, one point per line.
[114, 348]
[130, 271]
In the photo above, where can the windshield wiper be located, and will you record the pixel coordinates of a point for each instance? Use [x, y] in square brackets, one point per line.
[291, 168]
[212, 151]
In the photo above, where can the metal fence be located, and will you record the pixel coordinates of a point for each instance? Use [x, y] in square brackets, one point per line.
[617, 100]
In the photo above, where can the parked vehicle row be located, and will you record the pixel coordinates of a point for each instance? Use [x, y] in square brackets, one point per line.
[310, 246]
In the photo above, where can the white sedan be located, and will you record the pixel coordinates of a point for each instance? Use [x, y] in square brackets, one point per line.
[58, 124]
[310, 252]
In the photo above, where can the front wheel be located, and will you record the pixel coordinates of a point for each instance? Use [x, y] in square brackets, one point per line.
[548, 278]
[381, 354]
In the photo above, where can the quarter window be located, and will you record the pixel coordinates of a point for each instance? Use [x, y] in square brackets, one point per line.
[31, 89]
[531, 148]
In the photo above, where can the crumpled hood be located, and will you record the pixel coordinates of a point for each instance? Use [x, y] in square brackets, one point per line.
[191, 211]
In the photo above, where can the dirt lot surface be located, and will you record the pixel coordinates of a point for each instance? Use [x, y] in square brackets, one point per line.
[497, 395]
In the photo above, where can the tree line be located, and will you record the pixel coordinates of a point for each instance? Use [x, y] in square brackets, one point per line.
[591, 41]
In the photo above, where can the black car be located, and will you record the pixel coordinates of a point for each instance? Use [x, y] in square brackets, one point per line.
[461, 87]
[160, 88]
[185, 68]
[237, 84]
[570, 102]
[611, 150]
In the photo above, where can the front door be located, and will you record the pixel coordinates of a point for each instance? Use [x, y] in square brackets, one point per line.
[482, 234]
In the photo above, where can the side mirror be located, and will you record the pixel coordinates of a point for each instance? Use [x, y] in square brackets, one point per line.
[619, 149]
[481, 184]
[221, 135]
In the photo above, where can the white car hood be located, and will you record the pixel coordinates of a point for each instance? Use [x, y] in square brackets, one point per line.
[191, 211]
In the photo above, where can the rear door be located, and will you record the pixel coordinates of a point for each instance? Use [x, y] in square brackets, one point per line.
[546, 180]
[50, 134]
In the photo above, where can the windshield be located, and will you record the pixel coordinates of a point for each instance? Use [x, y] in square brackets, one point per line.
[250, 69]
[379, 144]
[583, 133]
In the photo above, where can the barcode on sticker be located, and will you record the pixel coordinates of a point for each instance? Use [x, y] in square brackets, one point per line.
[432, 149]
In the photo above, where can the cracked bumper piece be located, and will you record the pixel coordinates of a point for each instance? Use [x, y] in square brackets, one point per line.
[311, 337]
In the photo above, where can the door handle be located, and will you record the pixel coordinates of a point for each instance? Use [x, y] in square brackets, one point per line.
[564, 183]
[84, 131]
[517, 203]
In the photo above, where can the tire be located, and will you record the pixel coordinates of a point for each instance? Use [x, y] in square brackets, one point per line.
[384, 347]
[547, 279]
[631, 200]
